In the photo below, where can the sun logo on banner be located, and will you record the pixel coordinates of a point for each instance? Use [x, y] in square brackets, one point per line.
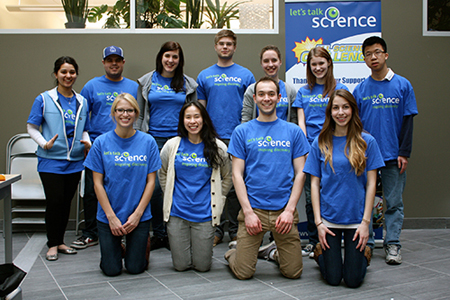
[302, 49]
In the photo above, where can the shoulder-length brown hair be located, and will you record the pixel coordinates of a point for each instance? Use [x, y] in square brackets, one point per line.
[178, 79]
[330, 82]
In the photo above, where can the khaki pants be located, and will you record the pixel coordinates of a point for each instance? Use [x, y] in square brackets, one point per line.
[242, 260]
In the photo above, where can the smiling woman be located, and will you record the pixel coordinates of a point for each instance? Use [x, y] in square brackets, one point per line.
[63, 143]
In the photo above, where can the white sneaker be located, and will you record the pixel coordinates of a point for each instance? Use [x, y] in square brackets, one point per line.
[308, 250]
[393, 254]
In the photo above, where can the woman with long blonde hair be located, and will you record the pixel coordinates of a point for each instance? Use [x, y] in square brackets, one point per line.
[343, 164]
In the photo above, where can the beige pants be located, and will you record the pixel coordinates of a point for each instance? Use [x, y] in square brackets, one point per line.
[242, 260]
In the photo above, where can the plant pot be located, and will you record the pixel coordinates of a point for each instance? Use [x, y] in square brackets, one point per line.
[75, 25]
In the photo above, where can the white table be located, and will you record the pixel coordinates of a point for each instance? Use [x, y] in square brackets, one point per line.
[5, 194]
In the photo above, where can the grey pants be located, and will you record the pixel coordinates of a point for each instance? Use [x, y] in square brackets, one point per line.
[191, 244]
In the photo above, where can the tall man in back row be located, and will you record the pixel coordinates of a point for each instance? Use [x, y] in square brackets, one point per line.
[221, 89]
[100, 93]
[268, 159]
[387, 105]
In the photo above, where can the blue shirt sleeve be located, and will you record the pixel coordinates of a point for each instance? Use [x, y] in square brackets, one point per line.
[36, 114]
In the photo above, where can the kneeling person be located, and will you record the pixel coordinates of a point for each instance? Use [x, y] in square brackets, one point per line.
[267, 166]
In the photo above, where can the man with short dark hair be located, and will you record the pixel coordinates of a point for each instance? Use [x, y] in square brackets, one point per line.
[387, 105]
[268, 159]
[100, 93]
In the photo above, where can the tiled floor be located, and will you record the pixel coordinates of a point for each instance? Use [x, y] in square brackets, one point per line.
[424, 274]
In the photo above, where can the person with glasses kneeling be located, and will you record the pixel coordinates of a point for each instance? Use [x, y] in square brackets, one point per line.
[124, 164]
[195, 177]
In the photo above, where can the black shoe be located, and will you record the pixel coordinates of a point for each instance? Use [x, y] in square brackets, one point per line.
[157, 242]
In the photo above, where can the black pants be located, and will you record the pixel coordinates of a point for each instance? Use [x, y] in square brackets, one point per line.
[59, 190]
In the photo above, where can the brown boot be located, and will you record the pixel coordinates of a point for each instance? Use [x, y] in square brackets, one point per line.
[317, 252]
[368, 254]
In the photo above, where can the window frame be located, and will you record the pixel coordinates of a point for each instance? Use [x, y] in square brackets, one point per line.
[275, 30]
[425, 31]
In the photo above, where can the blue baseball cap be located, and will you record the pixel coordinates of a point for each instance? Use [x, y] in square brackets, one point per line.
[112, 50]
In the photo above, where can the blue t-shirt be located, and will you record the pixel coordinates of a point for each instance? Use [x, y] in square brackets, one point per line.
[382, 106]
[69, 106]
[314, 106]
[165, 105]
[192, 188]
[342, 194]
[223, 89]
[268, 149]
[100, 93]
[125, 164]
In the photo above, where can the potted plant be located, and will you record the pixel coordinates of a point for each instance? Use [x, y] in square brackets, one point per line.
[76, 13]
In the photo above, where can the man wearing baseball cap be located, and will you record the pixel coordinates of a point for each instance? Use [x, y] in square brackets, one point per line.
[100, 93]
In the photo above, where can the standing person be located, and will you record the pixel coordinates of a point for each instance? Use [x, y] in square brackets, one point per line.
[343, 165]
[270, 59]
[63, 115]
[221, 89]
[268, 159]
[124, 164]
[195, 177]
[311, 103]
[161, 94]
[100, 93]
[387, 105]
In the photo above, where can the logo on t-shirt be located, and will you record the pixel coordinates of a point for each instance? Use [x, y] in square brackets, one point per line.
[192, 160]
[125, 159]
[380, 101]
[163, 88]
[224, 80]
[69, 116]
[269, 144]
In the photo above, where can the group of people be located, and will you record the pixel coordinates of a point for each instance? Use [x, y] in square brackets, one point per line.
[171, 152]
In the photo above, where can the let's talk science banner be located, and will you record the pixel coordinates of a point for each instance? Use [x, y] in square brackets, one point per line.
[340, 27]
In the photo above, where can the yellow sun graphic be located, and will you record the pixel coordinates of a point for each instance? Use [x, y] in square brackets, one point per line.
[305, 46]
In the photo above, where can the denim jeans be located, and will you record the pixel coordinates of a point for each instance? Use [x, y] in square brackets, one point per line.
[157, 200]
[311, 226]
[354, 267]
[393, 184]
[111, 250]
[191, 244]
[89, 206]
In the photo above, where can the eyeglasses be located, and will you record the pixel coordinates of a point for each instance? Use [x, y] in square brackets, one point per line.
[122, 111]
[377, 53]
[228, 44]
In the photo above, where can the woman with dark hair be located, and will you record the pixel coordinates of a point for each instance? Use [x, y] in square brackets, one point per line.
[161, 94]
[124, 164]
[195, 177]
[311, 102]
[63, 143]
[343, 164]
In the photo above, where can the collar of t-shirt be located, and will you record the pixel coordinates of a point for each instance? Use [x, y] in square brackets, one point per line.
[389, 75]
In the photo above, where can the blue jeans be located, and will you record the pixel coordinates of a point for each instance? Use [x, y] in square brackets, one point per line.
[157, 201]
[393, 184]
[90, 206]
[191, 244]
[311, 226]
[354, 267]
[111, 250]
